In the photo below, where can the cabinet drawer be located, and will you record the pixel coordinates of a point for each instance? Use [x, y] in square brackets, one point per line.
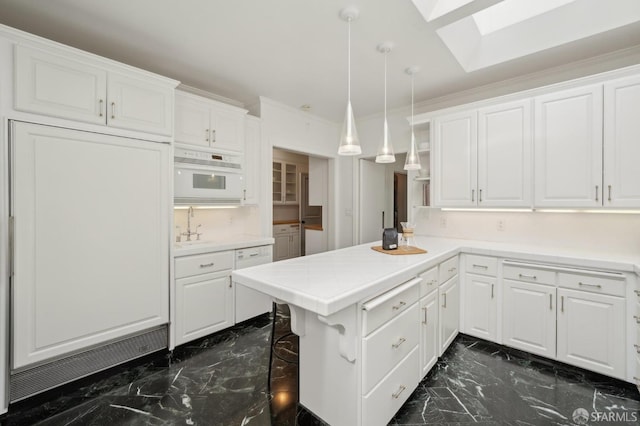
[447, 269]
[280, 229]
[203, 263]
[429, 281]
[381, 309]
[529, 274]
[388, 345]
[594, 283]
[483, 265]
[381, 404]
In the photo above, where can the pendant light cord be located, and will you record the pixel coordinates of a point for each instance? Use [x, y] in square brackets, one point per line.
[412, 101]
[385, 86]
[349, 60]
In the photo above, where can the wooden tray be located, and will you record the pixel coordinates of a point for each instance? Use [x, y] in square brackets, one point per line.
[400, 250]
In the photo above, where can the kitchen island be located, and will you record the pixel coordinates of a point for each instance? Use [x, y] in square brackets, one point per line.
[363, 317]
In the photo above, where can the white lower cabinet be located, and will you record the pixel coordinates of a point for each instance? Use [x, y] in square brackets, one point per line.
[287, 241]
[590, 331]
[429, 348]
[480, 297]
[529, 321]
[204, 295]
[448, 313]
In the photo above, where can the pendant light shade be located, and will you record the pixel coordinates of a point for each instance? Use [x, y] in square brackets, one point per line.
[412, 161]
[349, 142]
[385, 152]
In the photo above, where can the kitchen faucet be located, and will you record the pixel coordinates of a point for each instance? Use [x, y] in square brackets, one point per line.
[189, 233]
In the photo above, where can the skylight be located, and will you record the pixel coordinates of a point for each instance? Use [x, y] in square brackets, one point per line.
[510, 12]
[433, 9]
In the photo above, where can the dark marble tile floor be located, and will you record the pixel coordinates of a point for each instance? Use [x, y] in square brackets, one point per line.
[223, 380]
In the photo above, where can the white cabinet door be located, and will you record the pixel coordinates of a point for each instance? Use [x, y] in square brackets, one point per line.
[504, 155]
[136, 104]
[568, 148]
[591, 331]
[281, 247]
[204, 304]
[294, 244]
[192, 121]
[290, 183]
[253, 161]
[448, 313]
[621, 145]
[455, 160]
[80, 277]
[429, 349]
[480, 307]
[529, 317]
[227, 128]
[60, 86]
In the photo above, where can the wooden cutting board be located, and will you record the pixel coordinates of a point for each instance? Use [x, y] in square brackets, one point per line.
[400, 250]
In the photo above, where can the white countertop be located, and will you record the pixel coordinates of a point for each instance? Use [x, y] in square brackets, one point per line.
[187, 248]
[327, 282]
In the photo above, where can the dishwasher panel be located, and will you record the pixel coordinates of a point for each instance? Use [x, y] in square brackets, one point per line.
[249, 302]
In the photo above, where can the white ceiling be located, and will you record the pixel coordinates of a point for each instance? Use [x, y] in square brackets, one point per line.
[293, 51]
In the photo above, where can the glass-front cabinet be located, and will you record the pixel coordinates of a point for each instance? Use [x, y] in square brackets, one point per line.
[285, 183]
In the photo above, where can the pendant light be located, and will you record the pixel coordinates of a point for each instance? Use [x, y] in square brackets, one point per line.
[412, 161]
[385, 153]
[349, 142]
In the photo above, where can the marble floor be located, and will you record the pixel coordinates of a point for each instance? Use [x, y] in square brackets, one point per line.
[223, 380]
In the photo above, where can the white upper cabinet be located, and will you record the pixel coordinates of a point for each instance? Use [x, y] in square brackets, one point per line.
[135, 104]
[455, 148]
[621, 143]
[568, 148]
[504, 155]
[69, 86]
[205, 122]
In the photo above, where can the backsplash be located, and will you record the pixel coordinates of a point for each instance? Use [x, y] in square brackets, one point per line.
[220, 223]
[613, 232]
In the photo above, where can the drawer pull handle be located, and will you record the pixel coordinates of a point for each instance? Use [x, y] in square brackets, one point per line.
[100, 107]
[432, 282]
[445, 300]
[480, 266]
[532, 277]
[401, 389]
[452, 270]
[206, 135]
[113, 110]
[399, 342]
[637, 318]
[561, 303]
[206, 265]
[492, 291]
[398, 306]
[550, 301]
[589, 285]
[253, 254]
[425, 315]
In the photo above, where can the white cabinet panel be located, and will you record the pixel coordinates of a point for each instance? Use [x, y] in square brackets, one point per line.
[455, 159]
[504, 155]
[448, 313]
[591, 331]
[429, 349]
[80, 277]
[568, 148]
[621, 145]
[204, 304]
[281, 247]
[138, 105]
[59, 86]
[480, 307]
[529, 317]
[227, 128]
[253, 161]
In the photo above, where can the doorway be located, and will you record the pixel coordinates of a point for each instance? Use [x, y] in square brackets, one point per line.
[399, 200]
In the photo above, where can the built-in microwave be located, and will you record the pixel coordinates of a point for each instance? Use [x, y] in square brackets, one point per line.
[207, 177]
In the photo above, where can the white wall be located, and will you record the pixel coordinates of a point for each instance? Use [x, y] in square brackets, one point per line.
[610, 232]
[220, 223]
